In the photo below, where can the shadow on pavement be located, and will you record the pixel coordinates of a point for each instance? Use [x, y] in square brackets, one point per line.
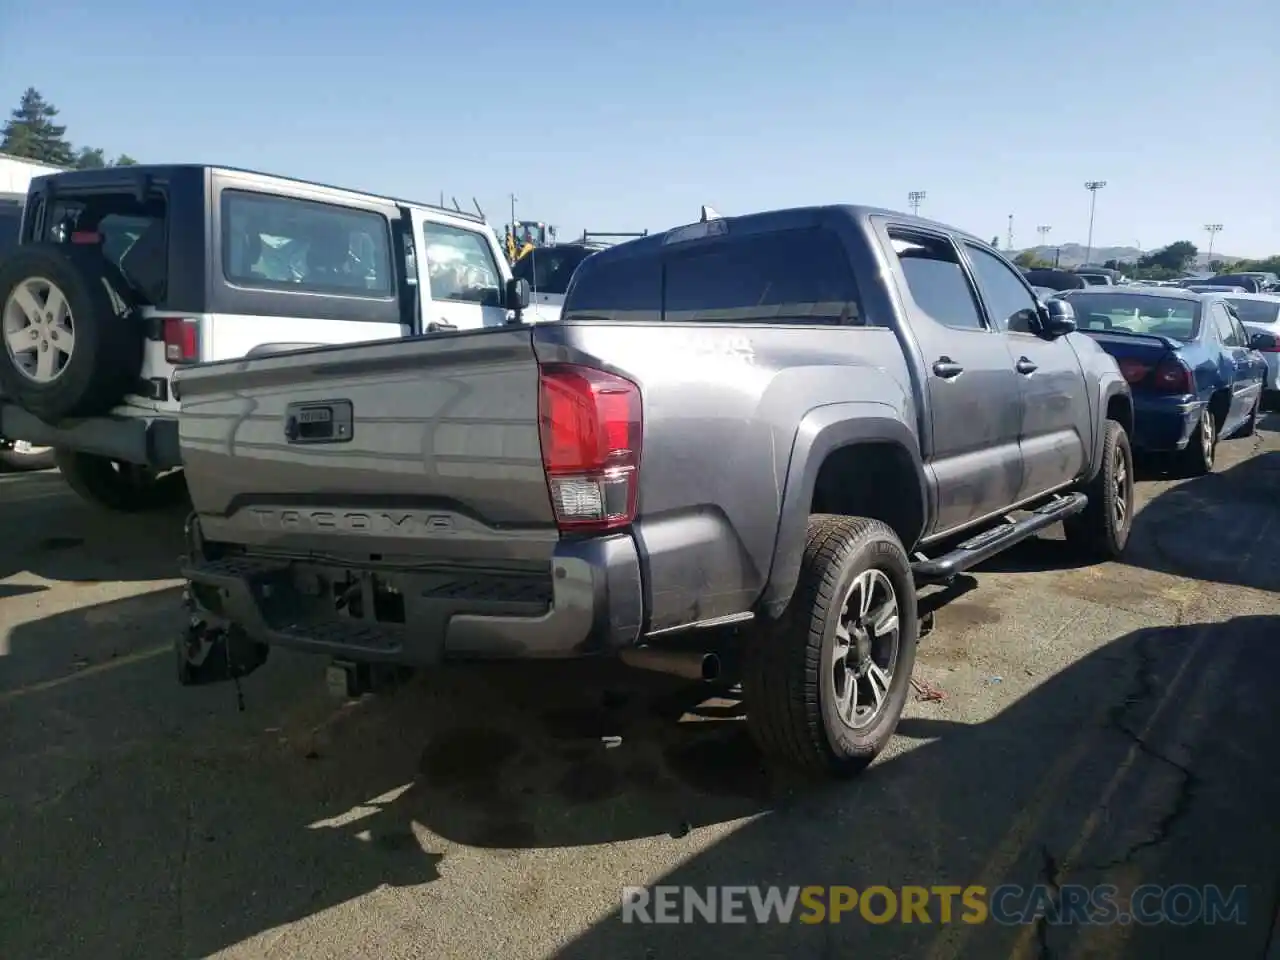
[169, 824]
[50, 532]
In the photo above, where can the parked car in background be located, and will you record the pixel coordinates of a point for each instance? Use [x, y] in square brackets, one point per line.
[1211, 288]
[1052, 279]
[548, 270]
[1100, 276]
[1195, 379]
[1260, 314]
[123, 275]
[1248, 282]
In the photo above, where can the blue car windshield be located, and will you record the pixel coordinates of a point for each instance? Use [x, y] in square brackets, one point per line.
[1102, 312]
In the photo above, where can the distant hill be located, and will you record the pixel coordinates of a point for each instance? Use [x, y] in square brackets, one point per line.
[1073, 254]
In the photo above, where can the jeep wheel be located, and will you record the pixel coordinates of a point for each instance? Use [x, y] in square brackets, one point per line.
[1101, 530]
[120, 487]
[72, 345]
[825, 685]
[20, 455]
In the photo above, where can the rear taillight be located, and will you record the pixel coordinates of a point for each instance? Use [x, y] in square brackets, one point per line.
[1173, 376]
[181, 340]
[590, 427]
[1134, 371]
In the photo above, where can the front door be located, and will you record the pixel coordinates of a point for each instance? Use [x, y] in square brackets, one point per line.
[1243, 372]
[974, 402]
[1057, 417]
[462, 274]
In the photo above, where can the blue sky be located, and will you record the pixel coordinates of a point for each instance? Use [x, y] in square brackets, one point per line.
[626, 116]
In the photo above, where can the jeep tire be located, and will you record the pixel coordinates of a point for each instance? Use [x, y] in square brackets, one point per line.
[852, 619]
[94, 309]
[120, 487]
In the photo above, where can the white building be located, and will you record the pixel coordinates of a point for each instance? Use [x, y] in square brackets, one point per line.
[16, 175]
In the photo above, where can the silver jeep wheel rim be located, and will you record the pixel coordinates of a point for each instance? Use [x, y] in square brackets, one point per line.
[864, 650]
[38, 330]
[1206, 435]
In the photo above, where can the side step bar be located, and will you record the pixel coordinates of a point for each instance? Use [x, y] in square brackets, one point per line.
[990, 542]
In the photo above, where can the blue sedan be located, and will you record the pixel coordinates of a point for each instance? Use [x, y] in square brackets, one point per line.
[1188, 360]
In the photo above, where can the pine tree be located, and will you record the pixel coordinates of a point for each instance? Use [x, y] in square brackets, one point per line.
[32, 134]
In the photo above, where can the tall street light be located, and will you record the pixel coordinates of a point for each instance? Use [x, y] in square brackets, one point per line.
[1043, 230]
[914, 198]
[1093, 186]
[1212, 229]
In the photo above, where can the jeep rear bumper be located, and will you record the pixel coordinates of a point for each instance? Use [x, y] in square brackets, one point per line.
[588, 601]
[146, 441]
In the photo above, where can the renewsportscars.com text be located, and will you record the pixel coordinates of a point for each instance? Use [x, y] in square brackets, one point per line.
[1009, 904]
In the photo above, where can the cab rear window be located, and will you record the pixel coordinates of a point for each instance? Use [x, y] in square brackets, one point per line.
[281, 243]
[786, 276]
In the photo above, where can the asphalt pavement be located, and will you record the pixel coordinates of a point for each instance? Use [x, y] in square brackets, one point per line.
[1110, 724]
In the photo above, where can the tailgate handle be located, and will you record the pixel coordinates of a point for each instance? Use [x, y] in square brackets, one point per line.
[321, 421]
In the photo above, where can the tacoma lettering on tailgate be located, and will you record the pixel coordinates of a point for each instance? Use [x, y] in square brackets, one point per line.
[403, 522]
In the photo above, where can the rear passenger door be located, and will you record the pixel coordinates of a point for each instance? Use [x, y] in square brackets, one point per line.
[1057, 416]
[974, 397]
[463, 282]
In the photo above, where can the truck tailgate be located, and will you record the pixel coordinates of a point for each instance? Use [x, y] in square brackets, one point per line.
[426, 448]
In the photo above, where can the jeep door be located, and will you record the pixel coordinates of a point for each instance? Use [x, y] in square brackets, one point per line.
[462, 267]
[1057, 416]
[973, 399]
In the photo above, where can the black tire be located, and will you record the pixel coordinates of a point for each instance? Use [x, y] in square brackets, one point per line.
[791, 705]
[41, 458]
[119, 487]
[1101, 530]
[107, 357]
[1201, 452]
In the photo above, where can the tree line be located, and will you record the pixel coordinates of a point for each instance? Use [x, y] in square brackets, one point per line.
[1167, 263]
[33, 133]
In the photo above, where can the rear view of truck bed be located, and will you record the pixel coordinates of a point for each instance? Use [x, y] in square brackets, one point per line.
[391, 500]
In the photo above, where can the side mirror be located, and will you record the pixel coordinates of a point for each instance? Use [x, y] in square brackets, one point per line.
[1058, 319]
[517, 294]
[1265, 342]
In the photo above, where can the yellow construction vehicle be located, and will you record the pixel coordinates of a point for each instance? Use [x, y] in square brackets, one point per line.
[525, 235]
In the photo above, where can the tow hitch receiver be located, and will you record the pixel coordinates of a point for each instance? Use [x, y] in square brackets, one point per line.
[351, 679]
[208, 653]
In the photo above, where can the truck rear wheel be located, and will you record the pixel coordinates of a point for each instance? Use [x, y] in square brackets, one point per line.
[1101, 530]
[119, 487]
[825, 684]
[72, 345]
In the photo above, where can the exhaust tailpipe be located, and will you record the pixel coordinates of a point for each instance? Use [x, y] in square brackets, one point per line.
[680, 663]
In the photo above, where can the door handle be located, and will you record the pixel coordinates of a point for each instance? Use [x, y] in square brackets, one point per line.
[1025, 366]
[946, 368]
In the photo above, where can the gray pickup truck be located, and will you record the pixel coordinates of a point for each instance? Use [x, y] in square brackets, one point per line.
[784, 422]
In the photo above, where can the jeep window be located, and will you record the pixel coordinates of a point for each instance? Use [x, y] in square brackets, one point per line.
[461, 266]
[283, 243]
[783, 276]
[935, 279]
[549, 269]
[1010, 305]
[10, 224]
[130, 234]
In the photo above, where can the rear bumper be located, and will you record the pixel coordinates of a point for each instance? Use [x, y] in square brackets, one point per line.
[146, 441]
[1164, 424]
[590, 603]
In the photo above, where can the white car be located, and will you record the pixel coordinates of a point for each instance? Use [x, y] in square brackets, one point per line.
[1260, 313]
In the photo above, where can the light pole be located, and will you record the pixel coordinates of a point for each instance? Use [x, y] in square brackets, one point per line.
[1093, 186]
[514, 198]
[914, 198]
[1043, 230]
[1212, 229]
[1008, 240]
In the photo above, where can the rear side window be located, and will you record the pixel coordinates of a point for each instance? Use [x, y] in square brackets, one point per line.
[786, 276]
[935, 279]
[1226, 329]
[283, 243]
[132, 234]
